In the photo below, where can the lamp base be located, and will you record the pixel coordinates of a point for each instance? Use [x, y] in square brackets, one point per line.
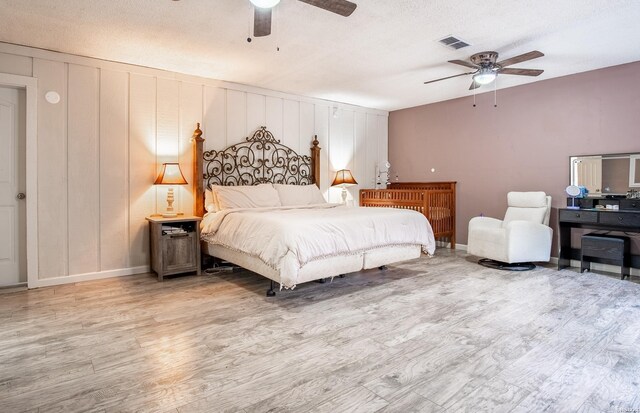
[169, 213]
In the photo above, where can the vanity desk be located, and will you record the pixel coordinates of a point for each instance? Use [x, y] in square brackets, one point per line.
[625, 219]
[606, 178]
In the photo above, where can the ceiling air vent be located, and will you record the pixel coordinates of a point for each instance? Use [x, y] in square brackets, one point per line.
[453, 42]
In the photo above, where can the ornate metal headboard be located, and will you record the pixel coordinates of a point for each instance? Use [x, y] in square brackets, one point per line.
[260, 159]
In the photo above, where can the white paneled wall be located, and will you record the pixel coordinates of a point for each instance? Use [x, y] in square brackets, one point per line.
[102, 146]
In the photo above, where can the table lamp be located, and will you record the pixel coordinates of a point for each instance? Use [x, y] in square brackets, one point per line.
[344, 178]
[170, 175]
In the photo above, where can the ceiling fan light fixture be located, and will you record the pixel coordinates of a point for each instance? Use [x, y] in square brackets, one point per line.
[264, 4]
[484, 76]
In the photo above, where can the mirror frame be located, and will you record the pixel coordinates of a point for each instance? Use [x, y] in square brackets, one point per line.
[634, 165]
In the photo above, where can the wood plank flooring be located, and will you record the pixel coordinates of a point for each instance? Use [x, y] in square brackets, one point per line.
[431, 335]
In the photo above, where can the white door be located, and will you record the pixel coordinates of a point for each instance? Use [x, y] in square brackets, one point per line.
[588, 173]
[13, 268]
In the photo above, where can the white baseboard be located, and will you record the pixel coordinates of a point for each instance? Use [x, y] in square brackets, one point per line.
[47, 282]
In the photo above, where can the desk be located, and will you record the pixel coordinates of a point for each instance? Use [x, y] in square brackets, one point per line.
[598, 219]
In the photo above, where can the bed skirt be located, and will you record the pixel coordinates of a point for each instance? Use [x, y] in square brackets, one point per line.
[321, 268]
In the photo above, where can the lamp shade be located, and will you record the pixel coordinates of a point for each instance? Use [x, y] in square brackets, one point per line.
[344, 177]
[170, 175]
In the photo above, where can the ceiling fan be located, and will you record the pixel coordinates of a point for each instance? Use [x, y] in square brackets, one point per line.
[487, 69]
[262, 12]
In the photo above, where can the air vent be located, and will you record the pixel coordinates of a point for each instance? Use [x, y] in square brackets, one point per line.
[453, 42]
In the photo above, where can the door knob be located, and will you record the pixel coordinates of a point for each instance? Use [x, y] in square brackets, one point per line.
[21, 196]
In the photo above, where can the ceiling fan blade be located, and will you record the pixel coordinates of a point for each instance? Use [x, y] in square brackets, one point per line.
[448, 77]
[341, 7]
[474, 85]
[521, 58]
[261, 22]
[521, 72]
[464, 63]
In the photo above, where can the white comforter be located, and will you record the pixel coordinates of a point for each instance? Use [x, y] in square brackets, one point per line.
[286, 238]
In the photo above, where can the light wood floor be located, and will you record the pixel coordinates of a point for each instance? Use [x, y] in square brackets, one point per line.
[428, 335]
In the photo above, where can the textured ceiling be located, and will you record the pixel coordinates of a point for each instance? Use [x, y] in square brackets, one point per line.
[378, 57]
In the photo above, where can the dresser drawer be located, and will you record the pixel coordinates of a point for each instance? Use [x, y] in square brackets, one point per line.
[631, 204]
[578, 216]
[620, 218]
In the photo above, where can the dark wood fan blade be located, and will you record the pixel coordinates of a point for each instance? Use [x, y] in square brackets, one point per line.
[464, 63]
[448, 77]
[521, 58]
[261, 22]
[474, 85]
[341, 7]
[521, 72]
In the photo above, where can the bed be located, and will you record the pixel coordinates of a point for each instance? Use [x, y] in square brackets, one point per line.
[435, 200]
[293, 243]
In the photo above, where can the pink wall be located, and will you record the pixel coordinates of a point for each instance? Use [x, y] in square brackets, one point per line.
[522, 145]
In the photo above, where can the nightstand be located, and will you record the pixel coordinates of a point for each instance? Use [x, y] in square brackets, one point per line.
[175, 245]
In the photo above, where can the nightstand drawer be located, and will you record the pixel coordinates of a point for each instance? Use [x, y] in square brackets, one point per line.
[620, 218]
[179, 253]
[578, 216]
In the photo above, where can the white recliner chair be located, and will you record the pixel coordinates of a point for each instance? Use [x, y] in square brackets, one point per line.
[522, 237]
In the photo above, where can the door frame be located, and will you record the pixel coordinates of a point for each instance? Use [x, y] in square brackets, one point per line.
[30, 84]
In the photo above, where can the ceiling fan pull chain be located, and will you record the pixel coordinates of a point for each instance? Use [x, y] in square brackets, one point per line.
[474, 98]
[249, 24]
[495, 93]
[275, 12]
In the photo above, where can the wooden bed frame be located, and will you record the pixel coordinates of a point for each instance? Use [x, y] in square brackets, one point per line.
[263, 159]
[435, 200]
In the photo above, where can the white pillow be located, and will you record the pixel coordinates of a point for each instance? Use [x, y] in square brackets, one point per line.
[248, 196]
[291, 195]
[210, 203]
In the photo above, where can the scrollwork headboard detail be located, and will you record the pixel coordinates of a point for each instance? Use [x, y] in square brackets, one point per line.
[259, 159]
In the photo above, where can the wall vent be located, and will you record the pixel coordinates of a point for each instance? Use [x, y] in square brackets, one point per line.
[453, 42]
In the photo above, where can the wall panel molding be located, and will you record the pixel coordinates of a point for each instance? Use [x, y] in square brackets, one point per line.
[101, 147]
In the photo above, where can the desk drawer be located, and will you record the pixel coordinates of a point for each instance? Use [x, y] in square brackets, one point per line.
[578, 216]
[631, 204]
[620, 218]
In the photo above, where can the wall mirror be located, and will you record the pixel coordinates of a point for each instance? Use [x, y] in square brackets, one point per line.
[608, 174]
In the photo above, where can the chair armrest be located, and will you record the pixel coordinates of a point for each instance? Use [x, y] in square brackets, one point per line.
[528, 228]
[528, 241]
[484, 222]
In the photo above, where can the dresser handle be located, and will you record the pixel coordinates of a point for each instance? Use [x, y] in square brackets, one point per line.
[620, 219]
[577, 215]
